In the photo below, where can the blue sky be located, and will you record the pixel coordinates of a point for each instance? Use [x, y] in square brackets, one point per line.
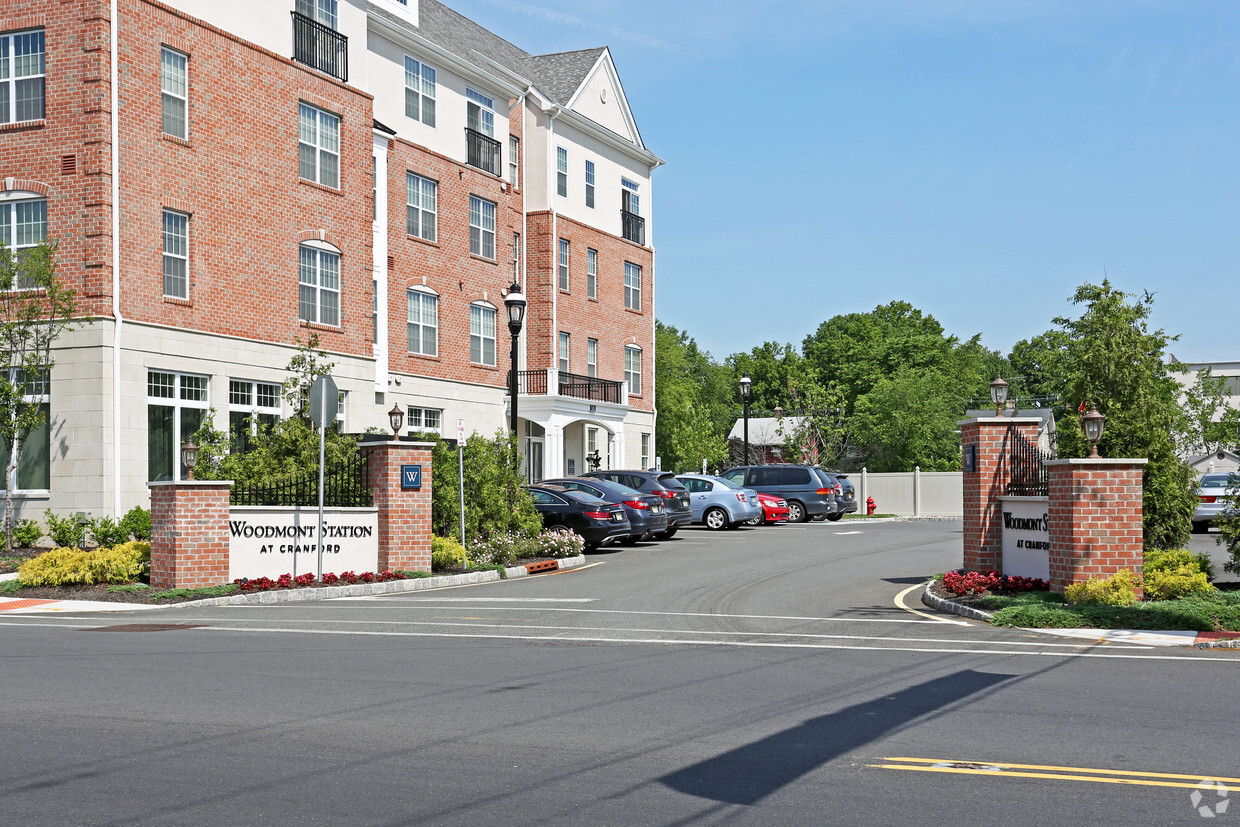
[978, 159]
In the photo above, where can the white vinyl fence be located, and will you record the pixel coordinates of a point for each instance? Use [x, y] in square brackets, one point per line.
[913, 493]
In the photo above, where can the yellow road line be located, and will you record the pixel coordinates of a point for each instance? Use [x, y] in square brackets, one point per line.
[1154, 779]
[936, 619]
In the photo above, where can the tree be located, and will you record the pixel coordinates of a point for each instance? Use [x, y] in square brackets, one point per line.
[1113, 360]
[1211, 422]
[495, 500]
[772, 369]
[694, 398]
[35, 308]
[1035, 372]
[820, 433]
[909, 420]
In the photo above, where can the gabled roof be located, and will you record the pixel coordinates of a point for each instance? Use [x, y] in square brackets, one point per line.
[559, 76]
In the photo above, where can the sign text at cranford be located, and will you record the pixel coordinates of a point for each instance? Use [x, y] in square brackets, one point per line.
[264, 542]
[1026, 537]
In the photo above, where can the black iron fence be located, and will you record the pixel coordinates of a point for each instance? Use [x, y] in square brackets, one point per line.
[481, 152]
[534, 382]
[320, 47]
[346, 485]
[633, 227]
[1027, 475]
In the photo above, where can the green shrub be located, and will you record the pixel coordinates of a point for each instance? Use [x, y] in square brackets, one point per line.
[1179, 558]
[27, 533]
[66, 532]
[137, 523]
[75, 567]
[1116, 590]
[446, 553]
[1172, 585]
[107, 532]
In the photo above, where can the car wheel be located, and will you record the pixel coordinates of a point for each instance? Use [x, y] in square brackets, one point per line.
[666, 535]
[796, 512]
[835, 518]
[715, 518]
[757, 520]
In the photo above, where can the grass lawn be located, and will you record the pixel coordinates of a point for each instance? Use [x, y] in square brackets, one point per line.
[1215, 612]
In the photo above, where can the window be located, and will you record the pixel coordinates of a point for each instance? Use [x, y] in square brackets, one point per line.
[23, 225]
[421, 207]
[423, 419]
[176, 254]
[561, 171]
[174, 86]
[423, 322]
[176, 406]
[514, 161]
[479, 113]
[253, 408]
[629, 200]
[318, 146]
[646, 451]
[342, 400]
[633, 369]
[22, 71]
[419, 91]
[516, 257]
[591, 273]
[34, 453]
[482, 334]
[319, 300]
[591, 441]
[591, 357]
[481, 227]
[563, 352]
[323, 11]
[590, 184]
[632, 286]
[563, 263]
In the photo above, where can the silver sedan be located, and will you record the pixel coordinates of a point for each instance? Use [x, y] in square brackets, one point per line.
[719, 503]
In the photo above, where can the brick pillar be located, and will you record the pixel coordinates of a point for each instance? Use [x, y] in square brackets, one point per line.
[189, 534]
[1095, 519]
[404, 513]
[986, 438]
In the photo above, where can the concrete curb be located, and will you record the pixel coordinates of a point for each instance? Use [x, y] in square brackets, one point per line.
[366, 589]
[942, 604]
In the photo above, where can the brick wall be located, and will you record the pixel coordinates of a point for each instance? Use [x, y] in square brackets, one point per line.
[189, 534]
[1095, 519]
[404, 514]
[983, 511]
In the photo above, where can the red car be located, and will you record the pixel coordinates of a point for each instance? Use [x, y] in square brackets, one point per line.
[774, 510]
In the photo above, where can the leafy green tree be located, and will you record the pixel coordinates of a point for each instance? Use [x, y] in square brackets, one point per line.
[495, 500]
[35, 308]
[909, 419]
[694, 397]
[772, 369]
[1114, 361]
[1211, 422]
[816, 429]
[1036, 375]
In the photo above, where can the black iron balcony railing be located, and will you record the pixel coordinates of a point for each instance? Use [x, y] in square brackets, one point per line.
[320, 47]
[534, 382]
[634, 227]
[481, 152]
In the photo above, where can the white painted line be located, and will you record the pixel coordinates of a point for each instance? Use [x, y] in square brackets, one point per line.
[846, 533]
[900, 602]
[559, 638]
[508, 599]
[405, 607]
[1149, 638]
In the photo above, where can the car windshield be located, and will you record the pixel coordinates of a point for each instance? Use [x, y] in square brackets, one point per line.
[1214, 480]
[583, 497]
[670, 482]
[727, 483]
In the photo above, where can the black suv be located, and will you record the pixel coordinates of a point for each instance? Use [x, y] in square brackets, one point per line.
[663, 483]
[807, 493]
[845, 495]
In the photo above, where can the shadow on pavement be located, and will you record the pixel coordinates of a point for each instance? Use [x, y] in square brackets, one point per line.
[747, 774]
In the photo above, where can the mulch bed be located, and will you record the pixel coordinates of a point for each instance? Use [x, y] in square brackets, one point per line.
[939, 590]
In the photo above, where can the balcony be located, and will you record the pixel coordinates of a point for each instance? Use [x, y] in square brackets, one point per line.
[481, 152]
[633, 227]
[534, 382]
[320, 47]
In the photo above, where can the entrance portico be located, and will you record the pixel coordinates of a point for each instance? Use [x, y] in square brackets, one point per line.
[559, 430]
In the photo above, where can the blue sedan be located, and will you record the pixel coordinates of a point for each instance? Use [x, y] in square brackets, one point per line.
[719, 503]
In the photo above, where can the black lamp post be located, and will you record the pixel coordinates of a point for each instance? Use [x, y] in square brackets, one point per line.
[746, 383]
[514, 303]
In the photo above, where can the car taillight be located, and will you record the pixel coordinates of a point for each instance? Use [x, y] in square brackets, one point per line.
[740, 497]
[638, 504]
[667, 495]
[839, 490]
[824, 492]
[1206, 499]
[598, 515]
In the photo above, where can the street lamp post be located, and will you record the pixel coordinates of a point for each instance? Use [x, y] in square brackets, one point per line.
[746, 383]
[514, 303]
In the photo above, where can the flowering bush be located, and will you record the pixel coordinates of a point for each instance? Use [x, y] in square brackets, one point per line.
[559, 544]
[978, 582]
[288, 581]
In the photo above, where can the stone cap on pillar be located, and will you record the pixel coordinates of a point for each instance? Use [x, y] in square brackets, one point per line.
[1006, 420]
[189, 483]
[1097, 461]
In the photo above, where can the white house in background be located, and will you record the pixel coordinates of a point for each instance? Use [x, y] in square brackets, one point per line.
[1186, 372]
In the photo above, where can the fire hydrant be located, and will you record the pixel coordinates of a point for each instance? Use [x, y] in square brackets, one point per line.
[870, 505]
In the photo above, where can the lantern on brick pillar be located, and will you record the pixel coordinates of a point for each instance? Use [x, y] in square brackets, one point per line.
[998, 394]
[189, 457]
[1092, 424]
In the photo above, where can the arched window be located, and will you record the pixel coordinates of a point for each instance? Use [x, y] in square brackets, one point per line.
[633, 369]
[482, 333]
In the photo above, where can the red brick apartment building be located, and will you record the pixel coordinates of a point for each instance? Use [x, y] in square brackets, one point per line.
[224, 177]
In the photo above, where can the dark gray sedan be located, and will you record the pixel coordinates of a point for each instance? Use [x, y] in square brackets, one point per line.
[647, 513]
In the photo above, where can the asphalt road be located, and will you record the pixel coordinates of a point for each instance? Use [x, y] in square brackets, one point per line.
[758, 676]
